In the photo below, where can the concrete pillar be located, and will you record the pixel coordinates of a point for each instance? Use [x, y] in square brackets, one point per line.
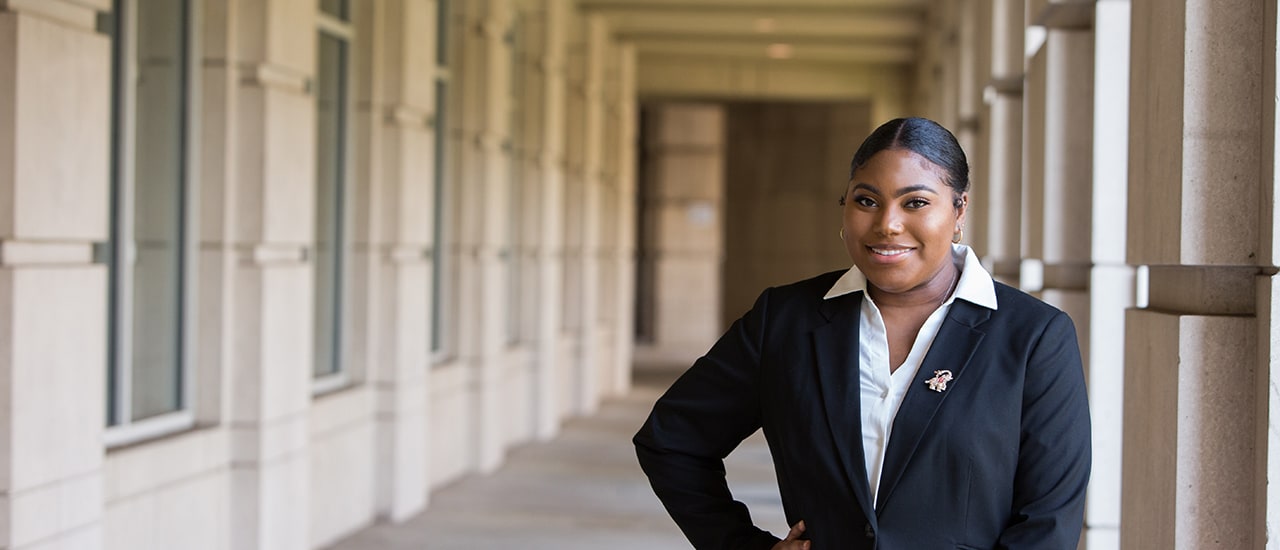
[551, 136]
[625, 246]
[1004, 191]
[1268, 386]
[969, 80]
[587, 397]
[947, 63]
[272, 360]
[585, 124]
[1058, 221]
[1111, 280]
[399, 111]
[484, 169]
[55, 73]
[1059, 228]
[683, 240]
[1193, 466]
[974, 131]
[574, 211]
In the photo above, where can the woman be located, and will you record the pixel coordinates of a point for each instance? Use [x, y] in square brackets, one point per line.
[910, 402]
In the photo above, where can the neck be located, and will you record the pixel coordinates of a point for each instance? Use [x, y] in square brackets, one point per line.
[931, 294]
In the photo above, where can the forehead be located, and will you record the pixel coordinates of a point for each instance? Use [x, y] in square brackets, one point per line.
[894, 168]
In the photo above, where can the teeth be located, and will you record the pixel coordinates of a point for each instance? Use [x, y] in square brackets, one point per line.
[890, 251]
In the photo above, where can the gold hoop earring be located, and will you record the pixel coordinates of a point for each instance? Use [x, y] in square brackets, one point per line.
[842, 233]
[957, 236]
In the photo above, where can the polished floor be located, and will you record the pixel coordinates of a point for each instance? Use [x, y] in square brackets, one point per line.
[581, 490]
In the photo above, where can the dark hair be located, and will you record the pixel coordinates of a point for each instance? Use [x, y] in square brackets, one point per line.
[923, 137]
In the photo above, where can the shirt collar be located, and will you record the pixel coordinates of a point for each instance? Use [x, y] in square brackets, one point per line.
[975, 284]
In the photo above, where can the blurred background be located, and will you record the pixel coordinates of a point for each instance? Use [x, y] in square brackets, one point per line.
[275, 271]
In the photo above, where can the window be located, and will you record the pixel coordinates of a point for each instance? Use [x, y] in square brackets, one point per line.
[331, 233]
[439, 259]
[150, 253]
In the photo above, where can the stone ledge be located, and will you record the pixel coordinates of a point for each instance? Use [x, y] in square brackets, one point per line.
[15, 253]
[1202, 290]
[276, 77]
[82, 15]
[1062, 14]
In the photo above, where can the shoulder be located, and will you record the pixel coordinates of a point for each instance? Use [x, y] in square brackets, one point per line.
[1026, 313]
[818, 285]
[1015, 302]
[807, 292]
[794, 298]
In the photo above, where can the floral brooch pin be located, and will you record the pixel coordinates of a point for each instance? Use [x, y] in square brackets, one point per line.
[939, 381]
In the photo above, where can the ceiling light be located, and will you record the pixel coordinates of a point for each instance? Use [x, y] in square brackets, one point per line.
[779, 51]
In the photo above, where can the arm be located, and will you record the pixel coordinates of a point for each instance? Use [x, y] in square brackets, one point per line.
[1054, 452]
[698, 422]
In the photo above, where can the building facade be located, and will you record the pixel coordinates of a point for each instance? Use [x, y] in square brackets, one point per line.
[273, 270]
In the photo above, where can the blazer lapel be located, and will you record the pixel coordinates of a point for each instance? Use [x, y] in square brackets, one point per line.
[836, 350]
[954, 346]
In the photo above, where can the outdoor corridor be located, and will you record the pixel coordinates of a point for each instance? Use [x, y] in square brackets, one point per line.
[581, 490]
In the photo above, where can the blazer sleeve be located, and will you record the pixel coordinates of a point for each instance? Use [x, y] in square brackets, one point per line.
[1054, 450]
[705, 414]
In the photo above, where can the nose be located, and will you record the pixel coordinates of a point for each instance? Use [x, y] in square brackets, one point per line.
[889, 222]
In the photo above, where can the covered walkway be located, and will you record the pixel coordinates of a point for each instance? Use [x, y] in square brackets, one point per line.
[581, 490]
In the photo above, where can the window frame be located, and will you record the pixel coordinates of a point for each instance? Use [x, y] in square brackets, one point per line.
[341, 378]
[120, 251]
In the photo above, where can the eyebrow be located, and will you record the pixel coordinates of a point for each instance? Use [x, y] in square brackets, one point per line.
[899, 192]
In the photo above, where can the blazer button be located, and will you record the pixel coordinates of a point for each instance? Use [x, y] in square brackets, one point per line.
[871, 534]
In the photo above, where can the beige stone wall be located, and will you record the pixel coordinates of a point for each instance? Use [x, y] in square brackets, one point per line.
[682, 239]
[786, 165]
[271, 458]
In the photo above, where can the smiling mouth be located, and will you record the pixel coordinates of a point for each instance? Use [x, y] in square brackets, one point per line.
[888, 252]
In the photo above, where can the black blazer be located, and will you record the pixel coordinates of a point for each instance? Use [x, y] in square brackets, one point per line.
[1000, 459]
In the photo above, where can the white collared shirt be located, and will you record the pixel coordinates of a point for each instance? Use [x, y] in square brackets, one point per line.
[882, 392]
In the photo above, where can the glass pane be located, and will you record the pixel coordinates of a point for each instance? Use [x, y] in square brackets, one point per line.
[329, 243]
[336, 8]
[158, 197]
[438, 255]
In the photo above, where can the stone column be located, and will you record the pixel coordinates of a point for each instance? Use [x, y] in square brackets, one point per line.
[684, 240]
[55, 77]
[274, 190]
[551, 137]
[399, 114]
[484, 169]
[1111, 281]
[607, 310]
[1057, 231]
[588, 362]
[969, 81]
[1193, 469]
[625, 251]
[584, 129]
[1268, 386]
[574, 212]
[974, 130]
[1058, 221]
[1004, 161]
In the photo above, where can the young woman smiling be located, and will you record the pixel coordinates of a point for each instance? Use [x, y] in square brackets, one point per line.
[909, 402]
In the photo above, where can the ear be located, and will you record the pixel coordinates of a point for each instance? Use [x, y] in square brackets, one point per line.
[962, 209]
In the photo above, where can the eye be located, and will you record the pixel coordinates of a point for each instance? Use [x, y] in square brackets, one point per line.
[864, 201]
[916, 203]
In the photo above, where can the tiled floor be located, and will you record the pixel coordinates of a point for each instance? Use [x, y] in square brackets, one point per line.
[581, 490]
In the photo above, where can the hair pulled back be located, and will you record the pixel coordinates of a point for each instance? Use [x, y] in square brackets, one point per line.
[923, 137]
